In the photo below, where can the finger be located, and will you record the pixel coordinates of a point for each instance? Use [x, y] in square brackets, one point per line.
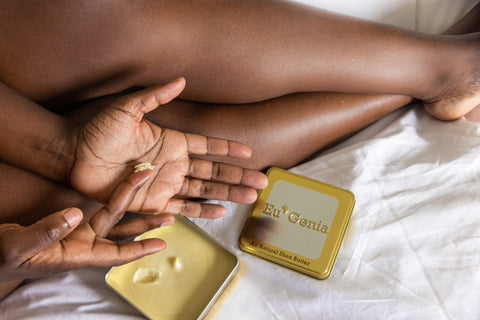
[108, 253]
[133, 228]
[48, 231]
[148, 99]
[104, 220]
[201, 145]
[214, 171]
[217, 191]
[194, 209]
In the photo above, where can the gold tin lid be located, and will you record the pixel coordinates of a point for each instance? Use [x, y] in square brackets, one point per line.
[180, 282]
[298, 223]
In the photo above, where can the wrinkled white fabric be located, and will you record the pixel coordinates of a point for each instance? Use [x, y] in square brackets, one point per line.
[412, 250]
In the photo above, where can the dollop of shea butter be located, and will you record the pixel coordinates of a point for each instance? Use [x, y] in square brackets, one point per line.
[146, 276]
[180, 281]
[176, 263]
[143, 167]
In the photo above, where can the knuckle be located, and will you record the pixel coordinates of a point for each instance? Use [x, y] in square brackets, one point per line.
[53, 234]
[185, 187]
[10, 253]
[184, 208]
[191, 166]
[242, 174]
[10, 256]
[228, 150]
[192, 209]
[203, 190]
[126, 102]
[129, 106]
[209, 144]
[215, 173]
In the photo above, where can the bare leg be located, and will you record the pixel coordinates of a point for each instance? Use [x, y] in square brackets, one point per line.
[342, 115]
[285, 131]
[281, 132]
[324, 119]
[241, 52]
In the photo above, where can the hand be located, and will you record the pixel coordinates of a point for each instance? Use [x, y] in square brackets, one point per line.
[118, 138]
[59, 242]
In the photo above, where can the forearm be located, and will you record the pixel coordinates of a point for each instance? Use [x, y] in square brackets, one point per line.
[34, 138]
[26, 197]
[7, 287]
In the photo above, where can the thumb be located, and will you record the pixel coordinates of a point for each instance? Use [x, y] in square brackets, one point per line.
[50, 230]
[148, 99]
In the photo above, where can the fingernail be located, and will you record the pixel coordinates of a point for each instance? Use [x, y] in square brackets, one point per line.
[167, 222]
[73, 216]
[179, 79]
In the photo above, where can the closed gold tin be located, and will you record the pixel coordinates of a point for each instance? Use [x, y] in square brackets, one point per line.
[180, 282]
[298, 223]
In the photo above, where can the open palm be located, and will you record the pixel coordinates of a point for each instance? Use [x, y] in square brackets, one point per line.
[61, 242]
[118, 138]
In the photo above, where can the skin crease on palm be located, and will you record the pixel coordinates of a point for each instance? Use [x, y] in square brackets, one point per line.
[61, 242]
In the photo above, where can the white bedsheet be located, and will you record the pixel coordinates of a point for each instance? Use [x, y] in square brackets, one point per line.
[413, 247]
[412, 250]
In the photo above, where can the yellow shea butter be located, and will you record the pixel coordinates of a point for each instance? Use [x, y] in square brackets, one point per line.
[180, 282]
[176, 263]
[146, 275]
[143, 167]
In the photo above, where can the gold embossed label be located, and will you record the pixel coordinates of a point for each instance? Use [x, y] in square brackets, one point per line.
[303, 218]
[298, 222]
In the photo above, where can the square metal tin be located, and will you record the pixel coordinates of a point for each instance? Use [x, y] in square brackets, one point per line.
[182, 281]
[298, 223]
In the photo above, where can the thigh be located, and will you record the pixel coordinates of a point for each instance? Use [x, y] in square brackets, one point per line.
[59, 53]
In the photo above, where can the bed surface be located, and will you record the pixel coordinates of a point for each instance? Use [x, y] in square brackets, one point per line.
[412, 250]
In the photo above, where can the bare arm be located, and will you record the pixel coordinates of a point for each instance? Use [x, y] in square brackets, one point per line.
[60, 242]
[94, 157]
[34, 138]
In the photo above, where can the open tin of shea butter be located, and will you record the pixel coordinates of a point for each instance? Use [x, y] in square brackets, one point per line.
[298, 223]
[182, 281]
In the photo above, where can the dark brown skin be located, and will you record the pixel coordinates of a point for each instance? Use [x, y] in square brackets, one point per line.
[71, 244]
[94, 158]
[60, 242]
[244, 62]
[241, 52]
